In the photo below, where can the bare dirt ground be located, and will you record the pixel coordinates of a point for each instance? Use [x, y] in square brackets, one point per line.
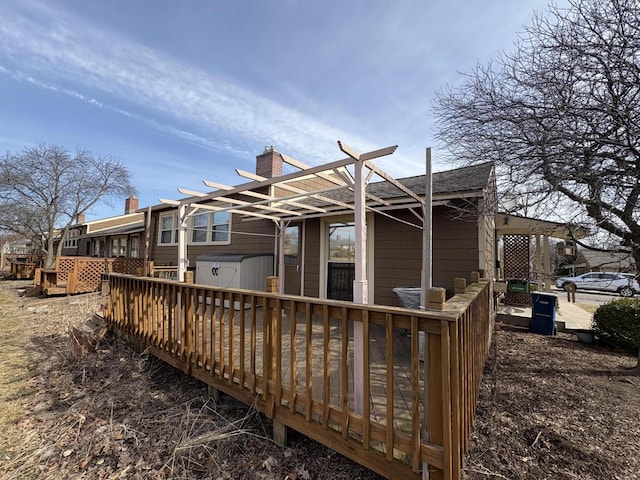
[549, 407]
[553, 408]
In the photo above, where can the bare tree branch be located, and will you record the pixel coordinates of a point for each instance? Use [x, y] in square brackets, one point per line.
[44, 189]
[560, 117]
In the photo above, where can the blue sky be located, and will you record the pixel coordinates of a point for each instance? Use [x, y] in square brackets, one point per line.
[185, 91]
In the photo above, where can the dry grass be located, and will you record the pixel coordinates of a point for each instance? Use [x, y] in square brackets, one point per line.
[119, 413]
[14, 373]
[589, 307]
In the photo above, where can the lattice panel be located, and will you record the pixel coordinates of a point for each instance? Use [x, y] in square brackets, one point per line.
[516, 265]
[128, 266]
[516, 256]
[63, 267]
[88, 275]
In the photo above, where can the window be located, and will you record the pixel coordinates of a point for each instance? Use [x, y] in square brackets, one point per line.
[135, 247]
[210, 228]
[204, 229]
[200, 225]
[220, 231]
[168, 229]
[71, 240]
[119, 247]
[98, 248]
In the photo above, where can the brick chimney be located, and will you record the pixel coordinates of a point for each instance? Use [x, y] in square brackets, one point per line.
[269, 163]
[80, 219]
[130, 205]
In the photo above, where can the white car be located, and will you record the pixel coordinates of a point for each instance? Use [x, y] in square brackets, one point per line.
[624, 284]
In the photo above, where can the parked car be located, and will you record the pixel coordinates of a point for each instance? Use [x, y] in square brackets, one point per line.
[624, 284]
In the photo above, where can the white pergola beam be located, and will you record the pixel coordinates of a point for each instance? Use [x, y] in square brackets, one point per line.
[235, 210]
[192, 193]
[313, 194]
[262, 196]
[260, 205]
[326, 176]
[394, 182]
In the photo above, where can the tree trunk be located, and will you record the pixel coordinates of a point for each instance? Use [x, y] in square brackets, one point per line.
[50, 257]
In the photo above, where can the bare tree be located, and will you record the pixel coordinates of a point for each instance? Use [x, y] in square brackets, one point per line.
[43, 190]
[560, 117]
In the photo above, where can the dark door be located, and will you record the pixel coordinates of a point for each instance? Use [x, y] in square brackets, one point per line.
[341, 265]
[340, 280]
[292, 255]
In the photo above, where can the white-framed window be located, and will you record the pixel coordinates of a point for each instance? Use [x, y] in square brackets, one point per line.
[134, 249]
[71, 240]
[200, 227]
[207, 228]
[98, 248]
[168, 231]
[119, 247]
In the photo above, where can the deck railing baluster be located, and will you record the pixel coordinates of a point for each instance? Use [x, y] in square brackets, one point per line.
[344, 375]
[308, 362]
[326, 357]
[389, 385]
[293, 358]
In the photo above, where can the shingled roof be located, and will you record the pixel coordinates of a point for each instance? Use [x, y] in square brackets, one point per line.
[466, 179]
[457, 181]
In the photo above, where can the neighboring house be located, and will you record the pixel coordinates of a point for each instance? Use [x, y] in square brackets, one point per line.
[319, 244]
[118, 236]
[13, 250]
[595, 261]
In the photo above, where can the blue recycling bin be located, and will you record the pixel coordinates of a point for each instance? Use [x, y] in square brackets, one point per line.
[543, 313]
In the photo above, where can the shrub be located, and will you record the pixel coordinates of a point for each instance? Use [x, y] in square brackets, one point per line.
[618, 323]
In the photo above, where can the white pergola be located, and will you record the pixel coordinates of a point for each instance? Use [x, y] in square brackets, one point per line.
[299, 203]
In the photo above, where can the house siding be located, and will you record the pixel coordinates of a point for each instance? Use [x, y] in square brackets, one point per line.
[311, 257]
[240, 243]
[398, 252]
[128, 219]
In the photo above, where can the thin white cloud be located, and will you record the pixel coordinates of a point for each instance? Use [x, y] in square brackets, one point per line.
[43, 42]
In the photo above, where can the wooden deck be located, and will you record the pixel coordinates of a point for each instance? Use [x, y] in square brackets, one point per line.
[72, 275]
[301, 373]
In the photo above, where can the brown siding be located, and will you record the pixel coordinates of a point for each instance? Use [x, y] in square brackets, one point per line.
[115, 222]
[312, 258]
[398, 252]
[244, 244]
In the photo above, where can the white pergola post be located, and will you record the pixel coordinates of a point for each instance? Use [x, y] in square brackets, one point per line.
[426, 283]
[282, 226]
[539, 273]
[427, 234]
[182, 242]
[360, 286]
[547, 264]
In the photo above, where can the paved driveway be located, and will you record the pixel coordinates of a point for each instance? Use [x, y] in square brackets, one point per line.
[589, 298]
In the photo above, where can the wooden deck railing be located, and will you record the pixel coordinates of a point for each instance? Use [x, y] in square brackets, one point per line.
[71, 275]
[292, 358]
[23, 266]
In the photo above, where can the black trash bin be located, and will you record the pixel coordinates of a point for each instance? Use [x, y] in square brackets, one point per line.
[408, 297]
[543, 313]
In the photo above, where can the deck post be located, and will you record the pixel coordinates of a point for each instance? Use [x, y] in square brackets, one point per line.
[280, 433]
